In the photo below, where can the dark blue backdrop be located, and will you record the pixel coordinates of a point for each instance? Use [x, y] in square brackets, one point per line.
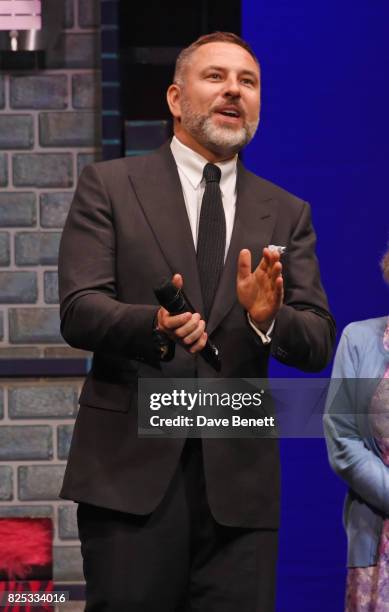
[324, 135]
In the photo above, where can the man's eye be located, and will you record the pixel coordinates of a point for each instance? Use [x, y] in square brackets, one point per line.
[248, 82]
[215, 76]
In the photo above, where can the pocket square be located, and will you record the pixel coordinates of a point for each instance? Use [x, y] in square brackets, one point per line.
[275, 247]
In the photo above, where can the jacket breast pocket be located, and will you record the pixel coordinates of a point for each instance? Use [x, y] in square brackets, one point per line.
[108, 395]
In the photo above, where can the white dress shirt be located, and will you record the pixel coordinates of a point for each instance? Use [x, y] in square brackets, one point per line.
[190, 167]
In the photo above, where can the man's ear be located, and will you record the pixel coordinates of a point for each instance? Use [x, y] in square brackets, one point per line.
[173, 96]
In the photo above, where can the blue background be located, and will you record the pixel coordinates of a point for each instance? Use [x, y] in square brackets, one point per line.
[324, 135]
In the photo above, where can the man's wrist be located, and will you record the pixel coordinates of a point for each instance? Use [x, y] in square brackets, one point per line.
[164, 346]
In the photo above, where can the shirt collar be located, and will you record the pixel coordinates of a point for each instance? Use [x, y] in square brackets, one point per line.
[191, 164]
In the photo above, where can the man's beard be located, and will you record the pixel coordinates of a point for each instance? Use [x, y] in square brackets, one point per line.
[221, 139]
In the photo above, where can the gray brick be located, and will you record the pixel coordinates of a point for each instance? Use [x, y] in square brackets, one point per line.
[51, 287]
[6, 483]
[20, 352]
[3, 169]
[54, 208]
[38, 482]
[25, 442]
[42, 402]
[42, 170]
[86, 90]
[16, 132]
[75, 51]
[2, 91]
[67, 522]
[34, 248]
[5, 257]
[18, 288]
[1, 401]
[17, 209]
[39, 91]
[84, 159]
[69, 129]
[28, 511]
[68, 21]
[89, 13]
[64, 352]
[67, 564]
[65, 433]
[34, 326]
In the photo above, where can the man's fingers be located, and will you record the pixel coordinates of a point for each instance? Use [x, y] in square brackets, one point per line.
[196, 334]
[189, 326]
[270, 257]
[244, 264]
[190, 332]
[178, 281]
[200, 344]
[269, 263]
[279, 290]
[172, 322]
[276, 271]
[263, 266]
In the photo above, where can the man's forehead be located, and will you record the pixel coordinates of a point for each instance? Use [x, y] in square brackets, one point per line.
[223, 54]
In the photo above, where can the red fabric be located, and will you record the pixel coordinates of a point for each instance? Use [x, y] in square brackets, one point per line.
[24, 542]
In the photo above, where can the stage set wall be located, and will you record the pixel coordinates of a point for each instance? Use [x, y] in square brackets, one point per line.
[324, 135]
[49, 130]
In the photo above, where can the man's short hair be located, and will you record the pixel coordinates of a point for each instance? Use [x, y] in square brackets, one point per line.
[183, 58]
[385, 266]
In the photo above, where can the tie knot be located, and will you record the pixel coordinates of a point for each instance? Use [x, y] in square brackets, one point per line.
[212, 173]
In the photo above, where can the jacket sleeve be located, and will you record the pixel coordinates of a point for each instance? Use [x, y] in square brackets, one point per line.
[304, 332]
[357, 465]
[92, 318]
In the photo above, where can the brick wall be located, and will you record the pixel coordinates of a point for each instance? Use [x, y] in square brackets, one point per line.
[49, 129]
[36, 423]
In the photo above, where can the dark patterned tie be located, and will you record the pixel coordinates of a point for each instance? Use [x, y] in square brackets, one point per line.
[211, 241]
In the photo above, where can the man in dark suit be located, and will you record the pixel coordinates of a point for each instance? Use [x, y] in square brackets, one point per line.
[169, 524]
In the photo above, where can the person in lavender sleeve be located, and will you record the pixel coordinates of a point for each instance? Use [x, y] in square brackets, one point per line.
[356, 425]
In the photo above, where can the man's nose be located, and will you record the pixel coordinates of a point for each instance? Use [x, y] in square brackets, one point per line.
[232, 87]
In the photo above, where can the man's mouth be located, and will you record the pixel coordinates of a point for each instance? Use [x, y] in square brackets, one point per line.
[229, 112]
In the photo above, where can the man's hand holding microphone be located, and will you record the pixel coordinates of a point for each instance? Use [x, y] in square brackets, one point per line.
[259, 292]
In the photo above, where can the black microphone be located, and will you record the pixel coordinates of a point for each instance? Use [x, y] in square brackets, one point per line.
[173, 300]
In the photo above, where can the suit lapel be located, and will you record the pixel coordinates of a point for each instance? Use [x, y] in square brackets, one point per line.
[159, 192]
[255, 218]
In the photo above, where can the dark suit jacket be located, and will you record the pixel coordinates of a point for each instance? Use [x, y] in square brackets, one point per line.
[126, 230]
